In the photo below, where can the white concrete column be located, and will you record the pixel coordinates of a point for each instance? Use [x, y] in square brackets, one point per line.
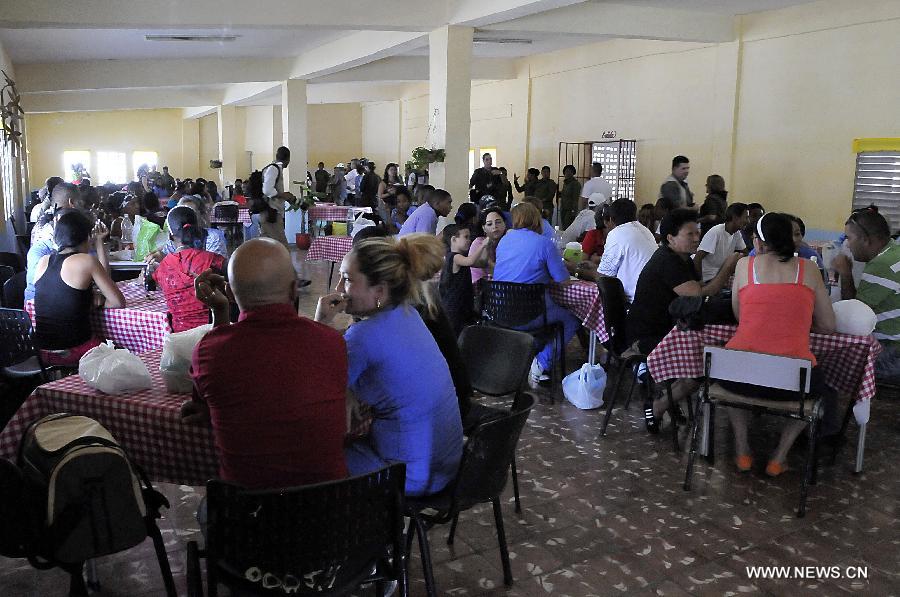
[293, 134]
[228, 145]
[450, 90]
[190, 149]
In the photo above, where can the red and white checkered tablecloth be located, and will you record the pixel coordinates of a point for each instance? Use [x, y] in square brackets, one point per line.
[329, 248]
[583, 300]
[847, 361]
[147, 424]
[140, 326]
[329, 212]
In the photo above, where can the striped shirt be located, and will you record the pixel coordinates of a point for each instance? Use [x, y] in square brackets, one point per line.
[880, 289]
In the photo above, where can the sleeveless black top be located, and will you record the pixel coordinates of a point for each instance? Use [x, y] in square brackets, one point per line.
[61, 313]
[457, 295]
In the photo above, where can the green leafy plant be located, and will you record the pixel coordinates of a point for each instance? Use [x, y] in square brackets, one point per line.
[422, 157]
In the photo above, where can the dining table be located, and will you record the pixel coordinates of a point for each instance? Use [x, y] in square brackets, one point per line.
[140, 326]
[847, 362]
[147, 424]
[329, 248]
[582, 298]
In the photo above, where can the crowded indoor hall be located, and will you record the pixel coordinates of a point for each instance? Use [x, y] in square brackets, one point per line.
[578, 298]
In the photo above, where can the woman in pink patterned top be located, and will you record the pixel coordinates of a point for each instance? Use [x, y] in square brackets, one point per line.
[176, 272]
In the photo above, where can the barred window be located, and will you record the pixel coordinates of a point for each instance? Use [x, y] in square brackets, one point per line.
[878, 182]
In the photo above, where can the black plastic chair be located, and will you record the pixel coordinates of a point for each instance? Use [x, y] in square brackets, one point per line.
[481, 478]
[615, 310]
[497, 361]
[323, 539]
[19, 357]
[226, 217]
[13, 260]
[6, 272]
[512, 305]
[14, 291]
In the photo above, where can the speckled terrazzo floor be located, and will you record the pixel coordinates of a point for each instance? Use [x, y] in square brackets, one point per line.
[608, 516]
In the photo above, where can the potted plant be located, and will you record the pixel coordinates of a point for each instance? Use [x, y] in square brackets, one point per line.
[422, 157]
[302, 202]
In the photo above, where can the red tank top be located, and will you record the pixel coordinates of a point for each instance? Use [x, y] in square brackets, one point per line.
[775, 318]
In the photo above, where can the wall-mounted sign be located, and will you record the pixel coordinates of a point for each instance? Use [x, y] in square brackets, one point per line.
[609, 135]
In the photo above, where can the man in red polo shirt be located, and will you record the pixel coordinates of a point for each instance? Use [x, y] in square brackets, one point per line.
[273, 384]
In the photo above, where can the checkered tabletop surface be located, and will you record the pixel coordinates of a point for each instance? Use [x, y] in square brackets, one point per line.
[847, 361]
[329, 248]
[329, 212]
[139, 327]
[243, 217]
[583, 300]
[147, 424]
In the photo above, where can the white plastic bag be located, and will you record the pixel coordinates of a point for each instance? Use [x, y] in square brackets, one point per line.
[112, 370]
[175, 363]
[584, 387]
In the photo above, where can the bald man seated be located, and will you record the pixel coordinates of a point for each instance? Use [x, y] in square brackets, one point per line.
[272, 385]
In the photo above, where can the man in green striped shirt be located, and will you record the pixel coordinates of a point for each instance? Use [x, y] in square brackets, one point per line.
[869, 239]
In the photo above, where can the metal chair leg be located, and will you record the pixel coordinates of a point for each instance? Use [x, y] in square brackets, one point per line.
[453, 524]
[501, 538]
[515, 484]
[673, 414]
[711, 435]
[425, 553]
[612, 398]
[808, 467]
[163, 559]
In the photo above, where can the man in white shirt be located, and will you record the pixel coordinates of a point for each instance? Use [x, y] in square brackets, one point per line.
[597, 184]
[721, 241]
[271, 221]
[584, 221]
[629, 246]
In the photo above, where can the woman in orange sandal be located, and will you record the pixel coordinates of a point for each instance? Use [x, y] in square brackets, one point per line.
[778, 298]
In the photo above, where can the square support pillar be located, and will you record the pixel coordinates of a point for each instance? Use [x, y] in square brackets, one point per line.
[228, 145]
[190, 148]
[293, 133]
[449, 114]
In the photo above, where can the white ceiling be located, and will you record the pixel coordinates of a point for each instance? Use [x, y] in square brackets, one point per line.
[726, 7]
[26, 46]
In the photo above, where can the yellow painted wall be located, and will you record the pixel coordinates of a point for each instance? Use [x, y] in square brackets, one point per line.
[334, 133]
[381, 133]
[259, 134]
[50, 134]
[814, 78]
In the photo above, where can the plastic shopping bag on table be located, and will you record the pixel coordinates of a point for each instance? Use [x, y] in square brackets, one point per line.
[113, 370]
[584, 387]
[144, 238]
[175, 363]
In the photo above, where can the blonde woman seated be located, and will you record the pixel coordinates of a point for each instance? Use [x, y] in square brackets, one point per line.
[778, 299]
[413, 400]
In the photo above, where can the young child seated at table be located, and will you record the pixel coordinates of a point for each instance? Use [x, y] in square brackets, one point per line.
[457, 295]
[176, 272]
[63, 294]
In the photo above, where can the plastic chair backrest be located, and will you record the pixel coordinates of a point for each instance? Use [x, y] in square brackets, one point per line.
[326, 535]
[6, 272]
[225, 212]
[496, 359]
[767, 370]
[16, 337]
[13, 260]
[484, 467]
[14, 291]
[510, 304]
[615, 304]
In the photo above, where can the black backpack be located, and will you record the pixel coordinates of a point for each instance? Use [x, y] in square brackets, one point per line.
[19, 519]
[89, 493]
[258, 203]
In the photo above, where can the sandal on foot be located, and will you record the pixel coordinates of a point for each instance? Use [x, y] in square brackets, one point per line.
[744, 462]
[775, 468]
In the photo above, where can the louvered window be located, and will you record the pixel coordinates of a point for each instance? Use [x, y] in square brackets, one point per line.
[878, 182]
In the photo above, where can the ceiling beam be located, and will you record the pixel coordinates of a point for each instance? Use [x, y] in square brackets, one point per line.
[223, 15]
[620, 20]
[121, 99]
[353, 50]
[415, 68]
[477, 13]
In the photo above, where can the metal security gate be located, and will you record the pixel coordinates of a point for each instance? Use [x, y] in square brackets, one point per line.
[619, 159]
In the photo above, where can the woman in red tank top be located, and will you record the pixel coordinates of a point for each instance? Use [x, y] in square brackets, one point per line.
[777, 300]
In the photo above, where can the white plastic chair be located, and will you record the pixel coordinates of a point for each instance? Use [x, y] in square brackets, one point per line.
[766, 370]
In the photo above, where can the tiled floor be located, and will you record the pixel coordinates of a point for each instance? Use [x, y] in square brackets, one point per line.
[608, 516]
